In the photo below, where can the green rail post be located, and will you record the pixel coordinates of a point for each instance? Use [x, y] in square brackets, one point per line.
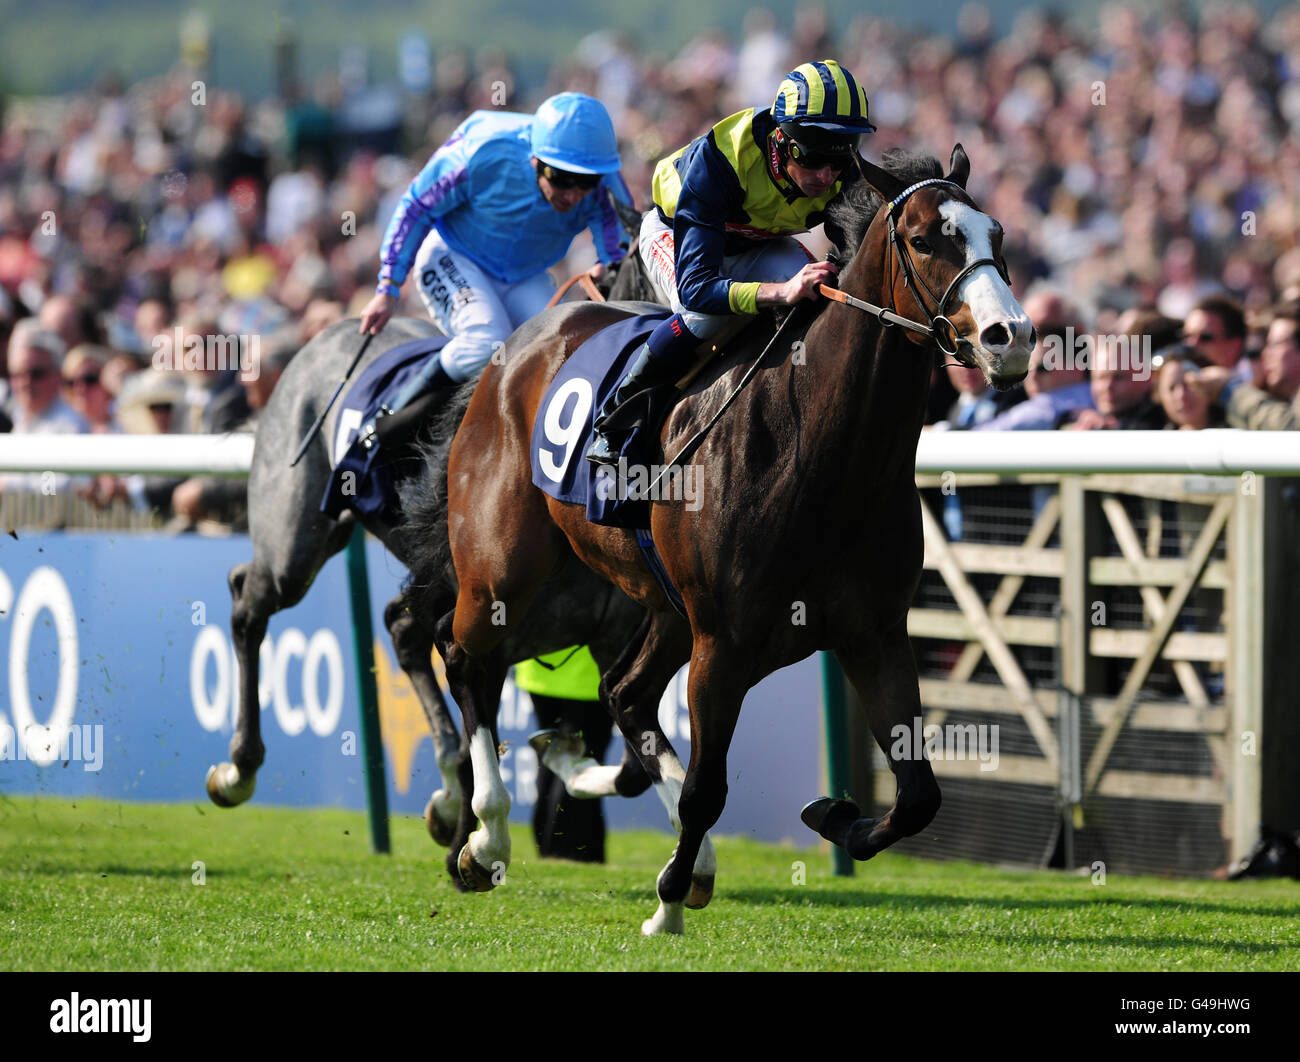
[363, 653]
[834, 712]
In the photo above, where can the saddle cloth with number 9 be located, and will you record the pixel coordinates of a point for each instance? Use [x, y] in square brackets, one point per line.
[562, 429]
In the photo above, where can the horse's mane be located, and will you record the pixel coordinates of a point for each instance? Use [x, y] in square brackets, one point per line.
[850, 213]
[423, 497]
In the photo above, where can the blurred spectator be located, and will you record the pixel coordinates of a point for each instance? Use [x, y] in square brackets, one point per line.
[215, 401]
[115, 373]
[146, 406]
[1121, 396]
[83, 384]
[35, 356]
[34, 359]
[71, 320]
[1216, 328]
[976, 401]
[225, 499]
[1180, 392]
[1185, 184]
[1276, 405]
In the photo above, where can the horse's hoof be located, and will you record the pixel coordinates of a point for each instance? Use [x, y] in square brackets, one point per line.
[476, 877]
[558, 751]
[452, 865]
[541, 741]
[226, 788]
[668, 919]
[826, 815]
[701, 891]
[861, 845]
[441, 832]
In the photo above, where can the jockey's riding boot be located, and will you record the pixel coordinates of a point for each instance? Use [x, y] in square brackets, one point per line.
[397, 426]
[399, 419]
[657, 362]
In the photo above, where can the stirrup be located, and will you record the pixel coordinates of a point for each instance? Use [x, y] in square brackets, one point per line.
[601, 451]
[369, 434]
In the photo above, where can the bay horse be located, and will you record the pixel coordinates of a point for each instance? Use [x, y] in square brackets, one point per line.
[292, 539]
[809, 537]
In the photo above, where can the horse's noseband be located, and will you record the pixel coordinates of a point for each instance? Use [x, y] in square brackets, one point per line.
[941, 327]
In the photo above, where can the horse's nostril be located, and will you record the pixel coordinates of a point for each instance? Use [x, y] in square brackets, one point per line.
[995, 336]
[1033, 335]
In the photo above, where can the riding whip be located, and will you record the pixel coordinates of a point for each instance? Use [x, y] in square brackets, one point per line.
[320, 421]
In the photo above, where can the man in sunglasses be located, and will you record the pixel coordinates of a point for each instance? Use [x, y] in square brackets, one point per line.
[35, 357]
[727, 206]
[494, 208]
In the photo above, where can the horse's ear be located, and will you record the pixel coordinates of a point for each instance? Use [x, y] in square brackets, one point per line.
[958, 166]
[884, 182]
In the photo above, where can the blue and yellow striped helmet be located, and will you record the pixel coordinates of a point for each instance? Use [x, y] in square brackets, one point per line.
[822, 96]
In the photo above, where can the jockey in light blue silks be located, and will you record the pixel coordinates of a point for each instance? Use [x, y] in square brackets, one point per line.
[494, 208]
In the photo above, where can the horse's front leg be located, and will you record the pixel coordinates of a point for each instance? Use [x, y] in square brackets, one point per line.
[884, 676]
[717, 686]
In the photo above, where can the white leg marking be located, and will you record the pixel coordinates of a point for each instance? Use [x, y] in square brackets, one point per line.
[583, 777]
[591, 779]
[491, 804]
[447, 800]
[669, 918]
[449, 768]
[670, 792]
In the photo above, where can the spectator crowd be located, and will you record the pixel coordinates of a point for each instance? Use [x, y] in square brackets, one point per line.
[1146, 169]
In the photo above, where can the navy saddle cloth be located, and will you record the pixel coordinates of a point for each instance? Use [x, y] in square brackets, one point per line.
[613, 495]
[363, 477]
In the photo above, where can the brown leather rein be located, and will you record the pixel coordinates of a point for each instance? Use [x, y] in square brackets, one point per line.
[588, 285]
[940, 327]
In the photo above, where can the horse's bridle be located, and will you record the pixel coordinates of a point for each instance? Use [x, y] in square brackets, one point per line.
[940, 326]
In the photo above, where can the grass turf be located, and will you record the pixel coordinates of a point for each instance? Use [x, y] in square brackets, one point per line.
[97, 885]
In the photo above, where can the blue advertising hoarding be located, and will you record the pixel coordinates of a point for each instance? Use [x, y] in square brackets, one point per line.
[118, 679]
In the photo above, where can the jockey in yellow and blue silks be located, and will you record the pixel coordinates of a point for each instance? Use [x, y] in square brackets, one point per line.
[494, 208]
[720, 239]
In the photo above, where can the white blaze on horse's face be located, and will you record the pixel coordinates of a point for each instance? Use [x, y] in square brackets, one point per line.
[1004, 335]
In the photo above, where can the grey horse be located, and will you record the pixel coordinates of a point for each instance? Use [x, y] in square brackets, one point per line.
[292, 539]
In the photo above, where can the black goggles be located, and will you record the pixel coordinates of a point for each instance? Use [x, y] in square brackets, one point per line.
[811, 158]
[564, 180]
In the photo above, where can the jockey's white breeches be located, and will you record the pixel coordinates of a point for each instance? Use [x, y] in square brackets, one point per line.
[475, 309]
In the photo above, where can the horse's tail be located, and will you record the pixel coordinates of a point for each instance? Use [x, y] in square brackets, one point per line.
[423, 535]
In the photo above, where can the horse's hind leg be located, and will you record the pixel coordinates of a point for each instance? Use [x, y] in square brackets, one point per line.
[884, 676]
[476, 682]
[413, 644]
[258, 591]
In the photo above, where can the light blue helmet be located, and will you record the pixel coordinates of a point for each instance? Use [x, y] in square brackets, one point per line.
[573, 132]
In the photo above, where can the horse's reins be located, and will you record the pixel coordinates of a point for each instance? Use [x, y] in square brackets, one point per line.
[940, 327]
[588, 285]
[695, 440]
[886, 316]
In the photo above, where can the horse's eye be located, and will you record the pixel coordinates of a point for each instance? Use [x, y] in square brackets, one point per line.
[920, 245]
